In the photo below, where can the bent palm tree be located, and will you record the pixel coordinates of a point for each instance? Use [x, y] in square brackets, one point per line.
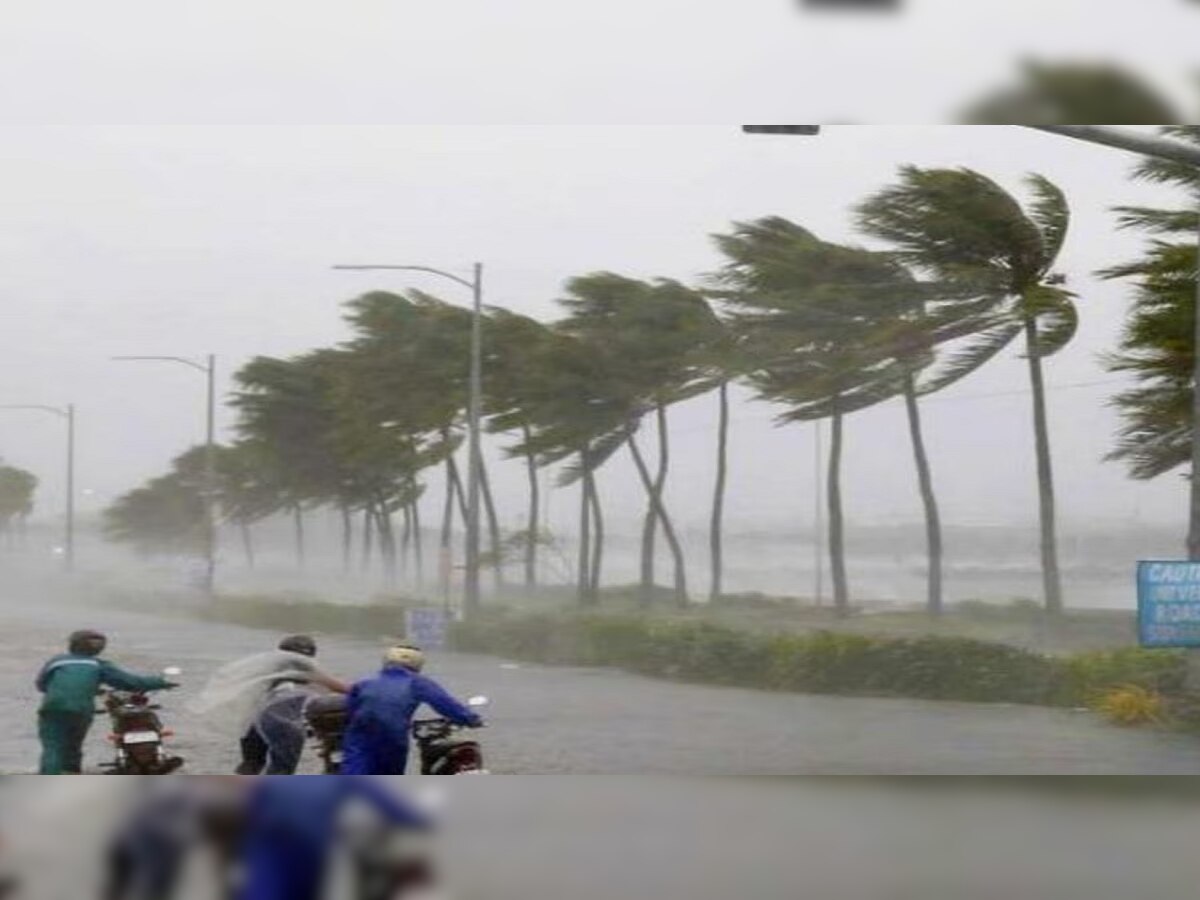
[1158, 342]
[809, 314]
[997, 259]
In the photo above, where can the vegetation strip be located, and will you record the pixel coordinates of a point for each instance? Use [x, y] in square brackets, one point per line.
[930, 667]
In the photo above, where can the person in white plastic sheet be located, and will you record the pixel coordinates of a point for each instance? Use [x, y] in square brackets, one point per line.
[263, 698]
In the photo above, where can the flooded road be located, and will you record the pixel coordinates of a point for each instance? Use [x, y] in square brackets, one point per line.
[580, 721]
[669, 839]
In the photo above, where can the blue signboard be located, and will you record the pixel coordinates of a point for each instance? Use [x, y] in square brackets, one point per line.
[1169, 604]
[427, 627]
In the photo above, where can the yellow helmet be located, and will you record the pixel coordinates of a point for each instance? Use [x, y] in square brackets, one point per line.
[405, 656]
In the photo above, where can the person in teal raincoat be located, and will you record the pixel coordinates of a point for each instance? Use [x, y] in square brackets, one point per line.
[69, 684]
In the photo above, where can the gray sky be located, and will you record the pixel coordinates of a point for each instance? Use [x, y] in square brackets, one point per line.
[251, 159]
[546, 61]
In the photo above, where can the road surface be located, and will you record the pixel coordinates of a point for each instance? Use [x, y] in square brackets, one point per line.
[582, 721]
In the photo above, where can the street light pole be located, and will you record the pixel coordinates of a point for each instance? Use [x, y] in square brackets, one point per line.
[67, 413]
[471, 589]
[208, 369]
[475, 425]
[210, 478]
[69, 544]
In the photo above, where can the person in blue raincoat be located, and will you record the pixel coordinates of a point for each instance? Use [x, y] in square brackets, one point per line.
[380, 712]
[292, 829]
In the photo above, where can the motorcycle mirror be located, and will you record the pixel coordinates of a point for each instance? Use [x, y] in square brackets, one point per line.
[478, 701]
[172, 671]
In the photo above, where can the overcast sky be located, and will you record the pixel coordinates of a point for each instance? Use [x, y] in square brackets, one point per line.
[190, 231]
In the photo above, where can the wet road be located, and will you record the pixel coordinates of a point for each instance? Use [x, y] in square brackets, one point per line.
[669, 839]
[577, 721]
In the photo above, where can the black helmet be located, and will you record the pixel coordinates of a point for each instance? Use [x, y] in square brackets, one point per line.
[299, 643]
[87, 642]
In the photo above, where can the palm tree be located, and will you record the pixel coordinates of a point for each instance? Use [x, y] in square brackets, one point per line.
[809, 313]
[17, 489]
[977, 242]
[166, 515]
[579, 412]
[247, 490]
[1074, 93]
[410, 355]
[658, 335]
[1158, 342]
[286, 425]
[513, 380]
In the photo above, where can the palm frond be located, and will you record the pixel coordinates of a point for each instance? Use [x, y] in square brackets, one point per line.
[1050, 212]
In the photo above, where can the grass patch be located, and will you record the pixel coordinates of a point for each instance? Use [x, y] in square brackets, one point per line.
[780, 645]
[303, 615]
[934, 667]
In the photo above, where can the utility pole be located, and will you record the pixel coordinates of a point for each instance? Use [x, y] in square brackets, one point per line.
[208, 368]
[475, 426]
[69, 543]
[210, 479]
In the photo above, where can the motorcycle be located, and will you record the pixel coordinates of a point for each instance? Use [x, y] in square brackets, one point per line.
[446, 749]
[443, 747]
[138, 734]
[326, 718]
[389, 865]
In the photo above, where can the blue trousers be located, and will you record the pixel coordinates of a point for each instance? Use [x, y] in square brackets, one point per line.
[284, 871]
[281, 726]
[374, 755]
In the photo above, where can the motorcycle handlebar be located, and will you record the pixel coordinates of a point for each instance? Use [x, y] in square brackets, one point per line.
[442, 723]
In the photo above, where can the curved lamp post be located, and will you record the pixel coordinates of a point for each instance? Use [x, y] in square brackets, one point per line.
[208, 368]
[474, 414]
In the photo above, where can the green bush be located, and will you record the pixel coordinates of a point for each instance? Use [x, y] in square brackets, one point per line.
[1087, 675]
[309, 616]
[934, 667]
[930, 667]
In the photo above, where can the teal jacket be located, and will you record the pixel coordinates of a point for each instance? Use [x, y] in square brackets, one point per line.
[71, 682]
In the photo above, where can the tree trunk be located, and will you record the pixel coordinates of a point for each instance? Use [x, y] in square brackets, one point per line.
[716, 536]
[247, 543]
[446, 548]
[387, 545]
[837, 525]
[406, 537]
[597, 537]
[347, 539]
[681, 591]
[534, 524]
[489, 506]
[298, 523]
[585, 536]
[460, 493]
[418, 548]
[367, 539]
[933, 521]
[1051, 578]
[651, 521]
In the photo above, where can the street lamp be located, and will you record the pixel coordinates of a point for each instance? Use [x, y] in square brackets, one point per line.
[474, 414]
[209, 369]
[66, 413]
